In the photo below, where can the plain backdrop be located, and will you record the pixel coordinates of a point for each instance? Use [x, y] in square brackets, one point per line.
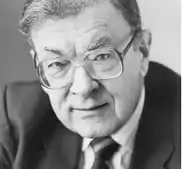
[162, 17]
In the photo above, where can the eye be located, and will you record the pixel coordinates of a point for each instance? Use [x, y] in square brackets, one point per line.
[103, 56]
[58, 64]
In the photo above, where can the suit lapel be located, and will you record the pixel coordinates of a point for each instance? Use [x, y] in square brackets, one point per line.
[63, 150]
[153, 145]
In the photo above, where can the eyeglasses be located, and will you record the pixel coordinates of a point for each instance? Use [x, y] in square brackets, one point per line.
[100, 64]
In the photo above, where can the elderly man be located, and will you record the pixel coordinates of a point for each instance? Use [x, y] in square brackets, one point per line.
[105, 111]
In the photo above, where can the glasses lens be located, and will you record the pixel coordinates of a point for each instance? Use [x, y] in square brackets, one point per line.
[104, 64]
[53, 73]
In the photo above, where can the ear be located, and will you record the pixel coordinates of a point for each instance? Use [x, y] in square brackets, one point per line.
[32, 53]
[144, 43]
[34, 57]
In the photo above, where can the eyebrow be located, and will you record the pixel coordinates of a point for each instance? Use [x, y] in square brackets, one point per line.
[100, 42]
[54, 51]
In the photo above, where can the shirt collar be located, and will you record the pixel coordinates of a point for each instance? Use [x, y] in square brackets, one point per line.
[125, 135]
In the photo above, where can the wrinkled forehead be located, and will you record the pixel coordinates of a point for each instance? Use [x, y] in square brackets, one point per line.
[100, 20]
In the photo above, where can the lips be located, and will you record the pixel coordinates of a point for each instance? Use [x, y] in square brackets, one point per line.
[91, 108]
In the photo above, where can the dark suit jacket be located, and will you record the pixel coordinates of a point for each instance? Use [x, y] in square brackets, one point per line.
[31, 137]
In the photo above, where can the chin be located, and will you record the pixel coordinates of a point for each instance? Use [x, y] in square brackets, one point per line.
[96, 131]
[91, 135]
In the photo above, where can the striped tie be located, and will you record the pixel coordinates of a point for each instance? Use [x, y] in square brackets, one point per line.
[104, 149]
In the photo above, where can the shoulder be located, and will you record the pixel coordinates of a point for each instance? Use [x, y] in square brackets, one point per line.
[163, 85]
[159, 129]
[163, 99]
[163, 89]
[162, 77]
[28, 125]
[22, 100]
[21, 108]
[22, 91]
[23, 105]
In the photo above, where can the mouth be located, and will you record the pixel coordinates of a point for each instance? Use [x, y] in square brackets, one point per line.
[92, 108]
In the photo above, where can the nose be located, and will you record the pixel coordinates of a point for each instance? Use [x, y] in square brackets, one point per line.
[82, 83]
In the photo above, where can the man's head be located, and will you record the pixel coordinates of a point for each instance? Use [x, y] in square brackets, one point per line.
[93, 87]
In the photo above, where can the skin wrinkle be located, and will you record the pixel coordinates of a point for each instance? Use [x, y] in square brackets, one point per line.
[120, 94]
[100, 42]
[86, 48]
[105, 41]
[98, 23]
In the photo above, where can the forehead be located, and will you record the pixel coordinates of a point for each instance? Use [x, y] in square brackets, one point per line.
[100, 20]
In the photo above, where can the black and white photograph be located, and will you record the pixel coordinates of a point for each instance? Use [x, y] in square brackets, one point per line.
[90, 84]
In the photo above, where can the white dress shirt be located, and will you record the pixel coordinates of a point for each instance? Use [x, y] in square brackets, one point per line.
[124, 137]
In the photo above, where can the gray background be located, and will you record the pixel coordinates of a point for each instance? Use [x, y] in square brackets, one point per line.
[15, 61]
[162, 17]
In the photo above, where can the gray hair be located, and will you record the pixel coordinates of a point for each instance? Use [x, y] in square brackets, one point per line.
[38, 10]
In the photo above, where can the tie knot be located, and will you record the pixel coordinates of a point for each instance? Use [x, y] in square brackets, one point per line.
[104, 148]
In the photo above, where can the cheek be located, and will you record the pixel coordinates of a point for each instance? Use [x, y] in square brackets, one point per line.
[126, 90]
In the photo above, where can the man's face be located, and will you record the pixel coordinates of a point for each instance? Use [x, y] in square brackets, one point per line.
[92, 108]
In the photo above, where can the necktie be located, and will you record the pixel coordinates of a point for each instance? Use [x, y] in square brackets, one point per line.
[104, 149]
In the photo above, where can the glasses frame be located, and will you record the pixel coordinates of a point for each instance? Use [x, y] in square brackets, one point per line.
[120, 54]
